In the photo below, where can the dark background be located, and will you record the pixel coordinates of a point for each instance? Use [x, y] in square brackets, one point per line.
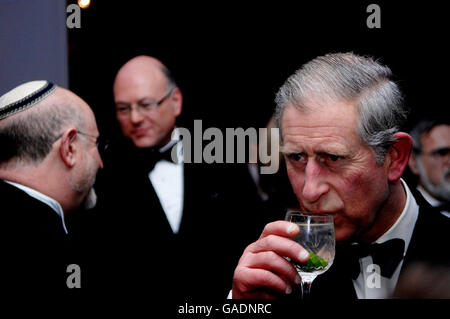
[229, 58]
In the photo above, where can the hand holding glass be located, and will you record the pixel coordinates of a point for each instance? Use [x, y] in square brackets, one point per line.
[317, 237]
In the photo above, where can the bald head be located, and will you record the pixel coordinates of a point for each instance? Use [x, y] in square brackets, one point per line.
[143, 63]
[28, 135]
[143, 68]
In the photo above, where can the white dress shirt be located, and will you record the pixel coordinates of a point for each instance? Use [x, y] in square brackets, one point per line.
[403, 229]
[44, 199]
[168, 182]
[432, 201]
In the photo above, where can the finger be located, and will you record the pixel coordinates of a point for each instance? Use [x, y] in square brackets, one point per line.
[249, 281]
[271, 261]
[282, 246]
[281, 228]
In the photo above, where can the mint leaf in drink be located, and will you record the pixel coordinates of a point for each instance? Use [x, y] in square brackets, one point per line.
[313, 264]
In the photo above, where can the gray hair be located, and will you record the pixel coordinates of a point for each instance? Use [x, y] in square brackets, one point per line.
[353, 78]
[170, 80]
[28, 137]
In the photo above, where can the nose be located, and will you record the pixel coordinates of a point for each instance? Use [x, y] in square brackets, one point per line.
[447, 160]
[135, 116]
[100, 161]
[314, 186]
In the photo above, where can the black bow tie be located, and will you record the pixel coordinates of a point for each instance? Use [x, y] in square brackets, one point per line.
[386, 255]
[148, 157]
[156, 155]
[166, 154]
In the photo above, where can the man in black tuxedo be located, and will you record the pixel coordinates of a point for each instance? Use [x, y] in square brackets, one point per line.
[168, 223]
[48, 165]
[340, 117]
[430, 161]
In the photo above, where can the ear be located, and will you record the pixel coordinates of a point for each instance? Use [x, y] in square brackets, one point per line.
[413, 164]
[67, 147]
[398, 156]
[177, 101]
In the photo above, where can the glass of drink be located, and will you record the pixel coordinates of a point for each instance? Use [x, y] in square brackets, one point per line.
[317, 237]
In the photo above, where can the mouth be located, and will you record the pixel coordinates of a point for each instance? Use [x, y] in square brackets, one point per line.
[139, 132]
[314, 210]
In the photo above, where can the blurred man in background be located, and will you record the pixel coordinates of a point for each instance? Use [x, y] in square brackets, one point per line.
[430, 161]
[167, 222]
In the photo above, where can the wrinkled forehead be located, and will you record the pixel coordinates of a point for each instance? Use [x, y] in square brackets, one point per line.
[331, 128]
[317, 115]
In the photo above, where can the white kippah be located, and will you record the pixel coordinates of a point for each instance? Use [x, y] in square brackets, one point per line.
[24, 96]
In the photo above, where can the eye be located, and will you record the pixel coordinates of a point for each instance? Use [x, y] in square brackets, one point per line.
[296, 157]
[146, 104]
[334, 158]
[122, 108]
[442, 152]
[330, 159]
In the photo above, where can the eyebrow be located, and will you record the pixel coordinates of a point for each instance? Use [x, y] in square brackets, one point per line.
[288, 151]
[139, 101]
[120, 103]
[440, 149]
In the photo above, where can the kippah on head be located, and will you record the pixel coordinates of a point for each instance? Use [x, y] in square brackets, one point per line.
[24, 96]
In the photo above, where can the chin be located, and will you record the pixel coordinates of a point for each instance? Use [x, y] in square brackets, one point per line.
[143, 142]
[90, 200]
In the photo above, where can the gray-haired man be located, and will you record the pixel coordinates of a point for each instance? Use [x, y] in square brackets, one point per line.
[340, 117]
[430, 161]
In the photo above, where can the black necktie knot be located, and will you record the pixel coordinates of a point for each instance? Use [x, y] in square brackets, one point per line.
[155, 155]
[386, 255]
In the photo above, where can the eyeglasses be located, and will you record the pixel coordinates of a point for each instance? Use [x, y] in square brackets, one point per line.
[100, 142]
[144, 107]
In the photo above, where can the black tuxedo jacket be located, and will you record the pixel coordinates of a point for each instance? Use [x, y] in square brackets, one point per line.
[428, 244]
[35, 249]
[132, 244]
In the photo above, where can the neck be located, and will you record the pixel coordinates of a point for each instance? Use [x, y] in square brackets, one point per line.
[41, 179]
[388, 214]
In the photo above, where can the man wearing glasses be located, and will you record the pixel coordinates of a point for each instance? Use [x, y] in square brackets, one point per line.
[48, 165]
[165, 218]
[430, 161]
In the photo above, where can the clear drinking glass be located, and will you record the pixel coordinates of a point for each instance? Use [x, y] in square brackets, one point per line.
[317, 237]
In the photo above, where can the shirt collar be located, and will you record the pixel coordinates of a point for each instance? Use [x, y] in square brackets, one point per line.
[404, 226]
[174, 139]
[44, 199]
[430, 199]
